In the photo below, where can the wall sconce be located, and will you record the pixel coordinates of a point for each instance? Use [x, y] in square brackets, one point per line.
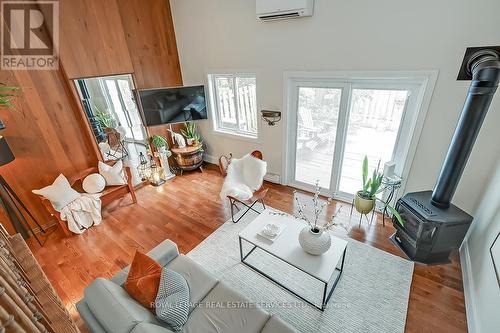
[271, 117]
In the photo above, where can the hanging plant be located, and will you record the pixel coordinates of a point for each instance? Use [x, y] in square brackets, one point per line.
[7, 94]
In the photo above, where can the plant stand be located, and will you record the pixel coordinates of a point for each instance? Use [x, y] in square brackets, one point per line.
[167, 174]
[369, 220]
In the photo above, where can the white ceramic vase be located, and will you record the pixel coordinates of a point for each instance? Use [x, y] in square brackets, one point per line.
[314, 241]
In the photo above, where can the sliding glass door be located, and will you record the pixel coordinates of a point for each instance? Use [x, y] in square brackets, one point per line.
[334, 124]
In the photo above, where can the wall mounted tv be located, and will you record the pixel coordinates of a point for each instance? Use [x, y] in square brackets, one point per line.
[172, 105]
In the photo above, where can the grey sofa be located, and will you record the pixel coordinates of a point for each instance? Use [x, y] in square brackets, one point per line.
[216, 307]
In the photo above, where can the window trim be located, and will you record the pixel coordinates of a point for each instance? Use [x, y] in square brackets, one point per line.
[425, 79]
[213, 103]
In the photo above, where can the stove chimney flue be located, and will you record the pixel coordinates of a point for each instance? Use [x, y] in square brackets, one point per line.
[482, 65]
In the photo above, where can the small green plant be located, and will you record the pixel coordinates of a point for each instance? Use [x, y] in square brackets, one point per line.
[190, 132]
[371, 186]
[158, 141]
[7, 93]
[104, 119]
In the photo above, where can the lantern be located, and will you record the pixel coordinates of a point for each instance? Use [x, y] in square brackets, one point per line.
[143, 168]
[155, 177]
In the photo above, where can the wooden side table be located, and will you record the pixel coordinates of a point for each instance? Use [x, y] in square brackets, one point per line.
[189, 158]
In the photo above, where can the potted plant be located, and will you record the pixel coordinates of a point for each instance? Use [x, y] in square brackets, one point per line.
[7, 93]
[104, 119]
[160, 144]
[365, 199]
[189, 132]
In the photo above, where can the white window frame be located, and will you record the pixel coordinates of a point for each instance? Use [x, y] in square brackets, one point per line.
[421, 84]
[214, 109]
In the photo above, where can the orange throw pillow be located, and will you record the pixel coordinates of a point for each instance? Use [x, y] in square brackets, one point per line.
[143, 279]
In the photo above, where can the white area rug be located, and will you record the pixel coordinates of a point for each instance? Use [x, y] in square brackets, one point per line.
[371, 296]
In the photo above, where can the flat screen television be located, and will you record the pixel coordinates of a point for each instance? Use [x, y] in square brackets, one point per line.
[172, 105]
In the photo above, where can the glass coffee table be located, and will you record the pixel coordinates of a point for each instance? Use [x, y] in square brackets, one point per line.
[327, 268]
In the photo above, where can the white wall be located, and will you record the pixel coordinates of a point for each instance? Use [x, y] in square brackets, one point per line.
[349, 35]
[482, 292]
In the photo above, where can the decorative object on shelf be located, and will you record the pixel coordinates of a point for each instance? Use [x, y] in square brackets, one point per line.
[178, 139]
[189, 132]
[271, 117]
[11, 202]
[143, 167]
[156, 177]
[162, 153]
[495, 256]
[315, 238]
[189, 158]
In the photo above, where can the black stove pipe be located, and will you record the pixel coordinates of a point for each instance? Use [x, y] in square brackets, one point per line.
[484, 67]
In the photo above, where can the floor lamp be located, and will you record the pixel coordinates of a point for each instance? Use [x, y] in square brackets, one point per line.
[11, 202]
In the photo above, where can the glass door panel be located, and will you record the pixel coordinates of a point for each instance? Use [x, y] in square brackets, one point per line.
[317, 120]
[372, 129]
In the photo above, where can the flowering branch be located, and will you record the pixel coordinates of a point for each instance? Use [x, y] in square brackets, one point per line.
[318, 210]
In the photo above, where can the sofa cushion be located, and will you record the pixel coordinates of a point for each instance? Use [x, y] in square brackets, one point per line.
[225, 311]
[113, 307]
[276, 325]
[162, 253]
[149, 328]
[200, 281]
[88, 317]
[172, 301]
[143, 279]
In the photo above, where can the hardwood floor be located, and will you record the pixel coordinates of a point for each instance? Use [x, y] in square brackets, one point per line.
[188, 209]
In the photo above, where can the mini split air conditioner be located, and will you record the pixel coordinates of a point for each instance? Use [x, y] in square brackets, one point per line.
[270, 10]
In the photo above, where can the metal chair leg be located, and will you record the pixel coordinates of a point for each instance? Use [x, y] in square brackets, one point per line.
[263, 204]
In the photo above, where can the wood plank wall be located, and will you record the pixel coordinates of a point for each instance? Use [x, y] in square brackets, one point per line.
[47, 132]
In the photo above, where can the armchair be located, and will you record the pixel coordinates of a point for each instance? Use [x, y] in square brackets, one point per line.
[243, 183]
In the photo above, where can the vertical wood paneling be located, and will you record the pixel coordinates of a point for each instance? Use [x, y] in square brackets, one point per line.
[92, 39]
[97, 37]
[150, 36]
[45, 133]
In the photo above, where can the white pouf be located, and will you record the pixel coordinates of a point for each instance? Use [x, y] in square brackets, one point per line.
[94, 183]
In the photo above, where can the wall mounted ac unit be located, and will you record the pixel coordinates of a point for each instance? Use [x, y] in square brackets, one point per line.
[270, 10]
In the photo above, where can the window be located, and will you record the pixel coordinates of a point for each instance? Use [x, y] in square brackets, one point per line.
[334, 121]
[234, 103]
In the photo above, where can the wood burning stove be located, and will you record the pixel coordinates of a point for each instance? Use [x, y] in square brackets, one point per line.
[433, 225]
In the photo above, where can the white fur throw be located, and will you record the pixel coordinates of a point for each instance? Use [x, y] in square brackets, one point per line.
[244, 176]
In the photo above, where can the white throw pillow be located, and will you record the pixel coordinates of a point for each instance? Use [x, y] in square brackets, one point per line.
[59, 193]
[114, 175]
[94, 183]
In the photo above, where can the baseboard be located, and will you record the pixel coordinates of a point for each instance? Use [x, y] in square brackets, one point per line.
[210, 159]
[469, 295]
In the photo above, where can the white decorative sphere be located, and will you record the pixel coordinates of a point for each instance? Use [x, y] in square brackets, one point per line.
[315, 243]
[94, 183]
